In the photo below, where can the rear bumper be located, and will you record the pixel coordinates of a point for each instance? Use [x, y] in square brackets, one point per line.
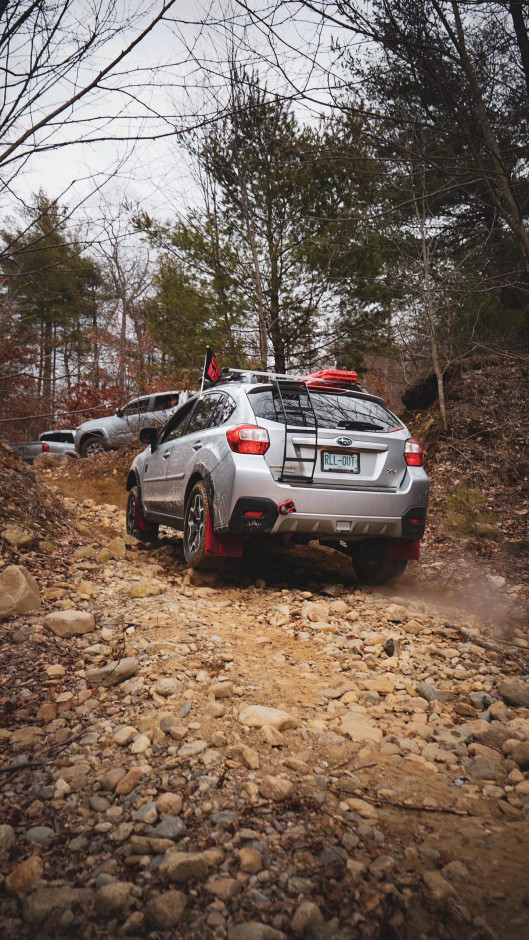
[319, 512]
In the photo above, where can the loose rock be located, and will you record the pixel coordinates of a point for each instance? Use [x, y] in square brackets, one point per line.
[19, 592]
[256, 716]
[276, 788]
[165, 910]
[515, 692]
[113, 898]
[25, 875]
[68, 623]
[184, 866]
[114, 672]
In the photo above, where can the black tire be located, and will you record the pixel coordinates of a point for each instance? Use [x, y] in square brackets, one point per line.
[137, 524]
[195, 521]
[92, 446]
[371, 565]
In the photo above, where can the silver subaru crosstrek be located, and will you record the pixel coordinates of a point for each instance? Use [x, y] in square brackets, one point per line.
[313, 458]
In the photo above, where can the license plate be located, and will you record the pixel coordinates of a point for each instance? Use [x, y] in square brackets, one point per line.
[335, 462]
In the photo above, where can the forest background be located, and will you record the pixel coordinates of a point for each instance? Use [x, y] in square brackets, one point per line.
[353, 193]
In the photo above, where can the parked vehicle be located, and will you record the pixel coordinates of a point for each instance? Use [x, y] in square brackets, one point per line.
[49, 442]
[147, 411]
[313, 458]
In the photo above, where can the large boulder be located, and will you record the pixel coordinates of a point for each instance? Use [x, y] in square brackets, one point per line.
[16, 536]
[19, 592]
[68, 623]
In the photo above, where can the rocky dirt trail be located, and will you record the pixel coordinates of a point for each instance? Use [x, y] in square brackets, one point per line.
[267, 752]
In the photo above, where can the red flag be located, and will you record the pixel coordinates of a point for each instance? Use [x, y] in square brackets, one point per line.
[212, 370]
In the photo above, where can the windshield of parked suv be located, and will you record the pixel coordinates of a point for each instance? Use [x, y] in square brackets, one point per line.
[341, 410]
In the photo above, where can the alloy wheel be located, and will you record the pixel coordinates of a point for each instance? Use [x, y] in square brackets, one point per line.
[94, 448]
[131, 514]
[195, 524]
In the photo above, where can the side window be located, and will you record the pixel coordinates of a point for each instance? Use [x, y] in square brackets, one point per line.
[164, 402]
[204, 413]
[177, 425]
[132, 408]
[223, 411]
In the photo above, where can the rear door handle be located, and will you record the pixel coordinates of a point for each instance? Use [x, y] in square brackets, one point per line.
[197, 446]
[166, 454]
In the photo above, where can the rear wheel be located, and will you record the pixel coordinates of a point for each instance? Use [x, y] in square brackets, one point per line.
[92, 446]
[371, 564]
[137, 524]
[195, 522]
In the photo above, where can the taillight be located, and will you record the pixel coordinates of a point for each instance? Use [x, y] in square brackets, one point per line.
[413, 453]
[45, 448]
[248, 439]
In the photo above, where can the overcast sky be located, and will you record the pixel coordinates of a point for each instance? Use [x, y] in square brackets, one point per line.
[192, 51]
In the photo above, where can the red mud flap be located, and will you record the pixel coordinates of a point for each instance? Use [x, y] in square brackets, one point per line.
[402, 549]
[139, 521]
[222, 546]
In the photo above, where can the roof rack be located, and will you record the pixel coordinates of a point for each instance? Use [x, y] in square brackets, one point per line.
[254, 375]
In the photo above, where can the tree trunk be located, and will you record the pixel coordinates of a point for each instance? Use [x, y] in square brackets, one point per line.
[516, 11]
[40, 389]
[263, 338]
[47, 363]
[95, 347]
[250, 231]
[122, 343]
[276, 332]
[429, 306]
[507, 204]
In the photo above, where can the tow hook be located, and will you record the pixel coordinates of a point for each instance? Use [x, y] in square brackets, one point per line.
[287, 507]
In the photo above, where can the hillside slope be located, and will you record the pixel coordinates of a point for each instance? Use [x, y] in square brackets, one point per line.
[479, 468]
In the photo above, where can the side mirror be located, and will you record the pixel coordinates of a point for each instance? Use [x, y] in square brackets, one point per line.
[119, 412]
[149, 436]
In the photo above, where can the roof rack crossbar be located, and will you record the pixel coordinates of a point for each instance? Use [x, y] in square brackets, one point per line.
[269, 375]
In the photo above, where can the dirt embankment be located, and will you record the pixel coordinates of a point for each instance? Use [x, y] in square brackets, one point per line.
[479, 468]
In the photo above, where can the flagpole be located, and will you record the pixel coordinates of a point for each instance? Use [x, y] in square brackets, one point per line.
[204, 371]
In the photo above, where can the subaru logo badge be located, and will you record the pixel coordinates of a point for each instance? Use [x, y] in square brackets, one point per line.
[344, 441]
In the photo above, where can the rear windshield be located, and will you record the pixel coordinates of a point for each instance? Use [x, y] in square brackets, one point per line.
[63, 437]
[333, 410]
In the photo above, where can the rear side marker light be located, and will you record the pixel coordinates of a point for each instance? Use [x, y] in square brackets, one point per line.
[413, 453]
[254, 515]
[248, 439]
[416, 521]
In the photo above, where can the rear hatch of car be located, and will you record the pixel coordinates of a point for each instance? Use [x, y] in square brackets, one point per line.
[330, 438]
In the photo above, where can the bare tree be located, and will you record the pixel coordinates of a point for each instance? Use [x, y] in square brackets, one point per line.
[128, 272]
